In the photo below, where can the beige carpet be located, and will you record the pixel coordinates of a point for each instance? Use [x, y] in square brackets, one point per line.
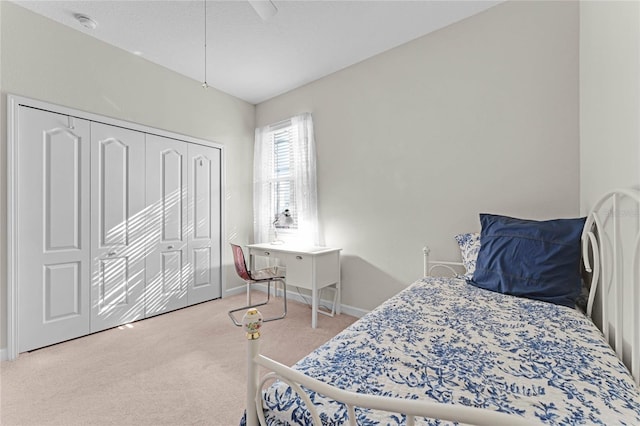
[182, 368]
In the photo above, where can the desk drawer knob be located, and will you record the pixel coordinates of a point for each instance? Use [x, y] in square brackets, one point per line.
[266, 253]
[299, 257]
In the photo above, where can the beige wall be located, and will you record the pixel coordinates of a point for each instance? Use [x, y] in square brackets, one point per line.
[609, 98]
[481, 116]
[44, 60]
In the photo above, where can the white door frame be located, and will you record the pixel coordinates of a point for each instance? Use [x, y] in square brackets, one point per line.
[14, 102]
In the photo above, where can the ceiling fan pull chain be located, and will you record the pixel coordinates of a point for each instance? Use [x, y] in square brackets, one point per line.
[204, 84]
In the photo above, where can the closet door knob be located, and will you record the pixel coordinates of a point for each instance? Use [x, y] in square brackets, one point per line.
[299, 257]
[170, 248]
[111, 253]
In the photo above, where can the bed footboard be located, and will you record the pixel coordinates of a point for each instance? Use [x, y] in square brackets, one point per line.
[410, 409]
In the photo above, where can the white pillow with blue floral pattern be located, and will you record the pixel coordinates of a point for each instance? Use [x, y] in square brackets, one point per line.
[469, 247]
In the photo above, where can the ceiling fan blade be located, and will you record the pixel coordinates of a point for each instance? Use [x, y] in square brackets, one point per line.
[264, 8]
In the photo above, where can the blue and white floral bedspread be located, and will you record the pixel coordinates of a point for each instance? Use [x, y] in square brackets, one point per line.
[444, 340]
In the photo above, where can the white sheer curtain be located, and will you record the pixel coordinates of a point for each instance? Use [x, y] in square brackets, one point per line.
[262, 178]
[305, 184]
[303, 171]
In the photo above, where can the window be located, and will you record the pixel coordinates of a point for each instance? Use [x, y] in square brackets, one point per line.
[283, 186]
[285, 200]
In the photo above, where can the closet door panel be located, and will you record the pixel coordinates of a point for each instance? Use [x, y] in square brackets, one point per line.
[62, 186]
[204, 223]
[118, 226]
[171, 194]
[53, 266]
[167, 271]
[62, 289]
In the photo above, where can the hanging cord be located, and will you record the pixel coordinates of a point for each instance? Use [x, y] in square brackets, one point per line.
[205, 85]
[307, 302]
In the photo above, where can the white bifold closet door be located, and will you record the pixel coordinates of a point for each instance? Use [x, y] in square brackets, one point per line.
[204, 223]
[118, 225]
[166, 262]
[53, 228]
[183, 224]
[114, 225]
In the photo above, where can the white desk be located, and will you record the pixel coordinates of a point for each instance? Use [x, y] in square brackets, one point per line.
[310, 267]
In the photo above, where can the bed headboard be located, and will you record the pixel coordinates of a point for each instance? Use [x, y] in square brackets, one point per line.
[430, 266]
[611, 255]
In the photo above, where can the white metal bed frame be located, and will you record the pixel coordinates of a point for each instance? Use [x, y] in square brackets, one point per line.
[607, 281]
[603, 255]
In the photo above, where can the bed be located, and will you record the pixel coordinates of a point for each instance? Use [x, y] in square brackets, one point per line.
[450, 350]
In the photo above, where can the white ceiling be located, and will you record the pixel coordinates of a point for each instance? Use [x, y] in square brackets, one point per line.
[254, 59]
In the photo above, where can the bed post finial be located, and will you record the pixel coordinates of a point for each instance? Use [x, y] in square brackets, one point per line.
[252, 322]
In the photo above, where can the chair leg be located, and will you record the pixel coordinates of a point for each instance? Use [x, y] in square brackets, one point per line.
[249, 304]
[284, 297]
[284, 313]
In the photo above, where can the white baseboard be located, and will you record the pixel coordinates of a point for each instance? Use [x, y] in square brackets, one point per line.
[3, 354]
[353, 311]
[233, 291]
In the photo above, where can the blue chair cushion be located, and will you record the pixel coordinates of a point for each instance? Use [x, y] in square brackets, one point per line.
[527, 258]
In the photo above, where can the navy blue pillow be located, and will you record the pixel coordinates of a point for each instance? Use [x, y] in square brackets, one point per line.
[527, 258]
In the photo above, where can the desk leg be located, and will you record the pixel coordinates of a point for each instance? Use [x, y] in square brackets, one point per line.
[314, 304]
[338, 307]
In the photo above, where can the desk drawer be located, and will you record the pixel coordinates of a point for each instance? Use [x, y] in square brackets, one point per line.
[299, 269]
